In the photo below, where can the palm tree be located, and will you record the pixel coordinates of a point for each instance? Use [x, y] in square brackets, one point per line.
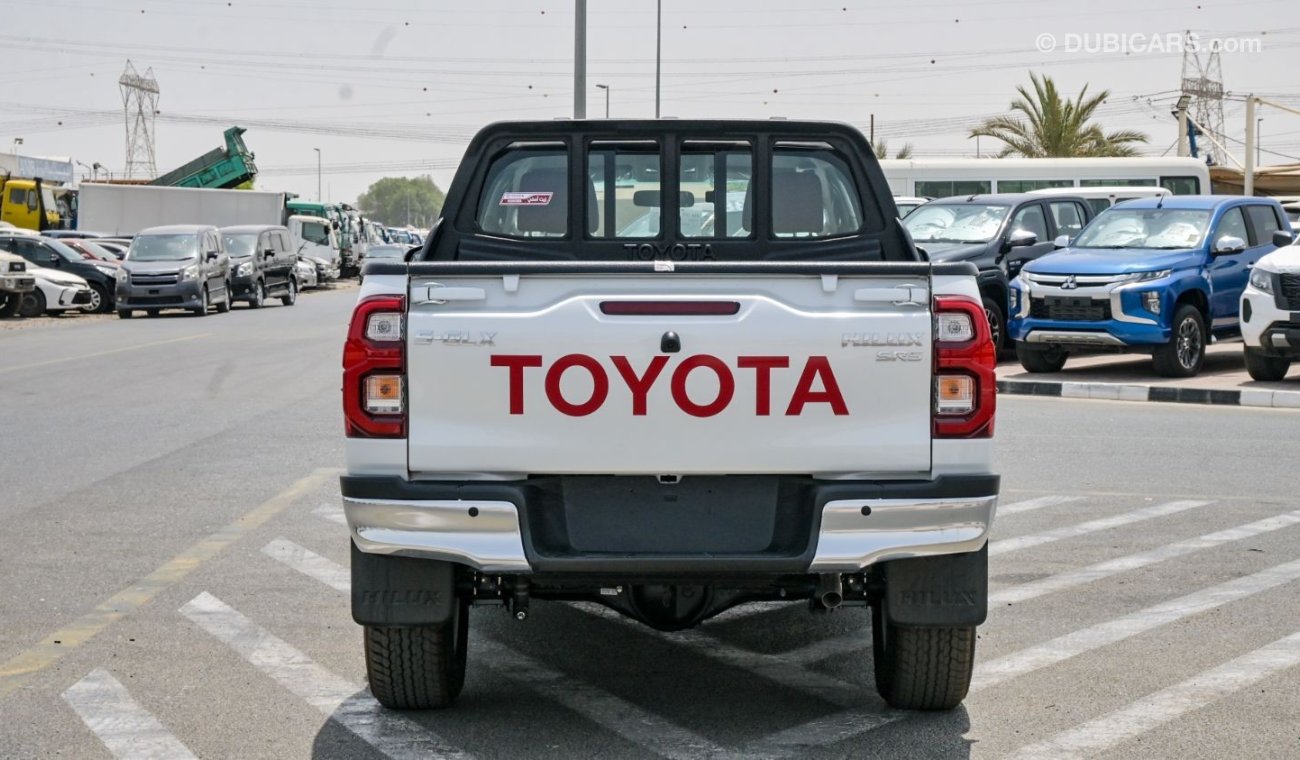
[1057, 127]
[882, 150]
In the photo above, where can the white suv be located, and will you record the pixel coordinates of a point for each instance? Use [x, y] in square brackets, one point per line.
[1270, 314]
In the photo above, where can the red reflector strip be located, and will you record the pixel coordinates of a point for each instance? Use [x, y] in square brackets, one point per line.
[669, 308]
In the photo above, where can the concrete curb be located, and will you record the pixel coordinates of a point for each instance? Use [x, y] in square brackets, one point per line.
[1133, 392]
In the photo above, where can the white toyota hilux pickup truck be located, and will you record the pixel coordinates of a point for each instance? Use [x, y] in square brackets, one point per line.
[669, 367]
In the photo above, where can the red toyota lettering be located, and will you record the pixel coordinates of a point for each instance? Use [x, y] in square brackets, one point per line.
[763, 366]
[516, 363]
[726, 386]
[599, 380]
[639, 386]
[818, 367]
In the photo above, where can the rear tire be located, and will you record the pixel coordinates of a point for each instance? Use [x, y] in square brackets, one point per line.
[9, 304]
[33, 304]
[418, 667]
[1265, 368]
[125, 313]
[1184, 354]
[1036, 359]
[997, 323]
[927, 668]
[290, 298]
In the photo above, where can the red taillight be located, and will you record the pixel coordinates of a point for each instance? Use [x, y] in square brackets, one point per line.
[375, 347]
[965, 357]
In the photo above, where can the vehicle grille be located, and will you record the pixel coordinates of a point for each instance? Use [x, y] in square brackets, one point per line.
[163, 278]
[156, 300]
[1289, 293]
[1070, 309]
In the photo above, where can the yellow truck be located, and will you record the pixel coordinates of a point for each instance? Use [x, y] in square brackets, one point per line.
[28, 203]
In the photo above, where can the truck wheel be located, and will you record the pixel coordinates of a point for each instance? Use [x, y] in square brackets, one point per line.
[224, 306]
[1038, 359]
[1184, 354]
[418, 667]
[202, 310]
[290, 298]
[258, 297]
[100, 303]
[33, 304]
[922, 668]
[9, 304]
[997, 323]
[1265, 368]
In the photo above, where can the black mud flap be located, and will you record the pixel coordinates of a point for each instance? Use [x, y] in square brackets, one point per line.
[948, 591]
[400, 590]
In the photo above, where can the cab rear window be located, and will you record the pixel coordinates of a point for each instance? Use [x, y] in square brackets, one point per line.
[813, 193]
[526, 193]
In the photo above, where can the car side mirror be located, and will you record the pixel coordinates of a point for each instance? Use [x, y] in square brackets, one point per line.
[1022, 239]
[212, 255]
[1062, 241]
[1229, 244]
[269, 253]
[1282, 238]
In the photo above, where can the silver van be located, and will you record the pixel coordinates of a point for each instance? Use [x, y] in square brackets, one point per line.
[182, 266]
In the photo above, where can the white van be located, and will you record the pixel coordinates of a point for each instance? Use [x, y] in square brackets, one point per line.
[1102, 198]
[315, 237]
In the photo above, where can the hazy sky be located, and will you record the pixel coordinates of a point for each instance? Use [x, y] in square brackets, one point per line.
[398, 86]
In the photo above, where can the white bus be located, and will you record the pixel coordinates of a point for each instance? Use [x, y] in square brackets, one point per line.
[939, 178]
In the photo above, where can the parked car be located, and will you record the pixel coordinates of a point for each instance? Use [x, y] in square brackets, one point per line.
[72, 234]
[92, 252]
[112, 248]
[15, 282]
[1102, 197]
[1292, 212]
[1270, 327]
[326, 271]
[56, 291]
[906, 204]
[183, 266]
[998, 234]
[48, 253]
[306, 272]
[262, 264]
[385, 252]
[1157, 275]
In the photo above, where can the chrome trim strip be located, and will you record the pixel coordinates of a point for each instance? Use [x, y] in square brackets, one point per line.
[490, 540]
[1074, 338]
[898, 528]
[1082, 280]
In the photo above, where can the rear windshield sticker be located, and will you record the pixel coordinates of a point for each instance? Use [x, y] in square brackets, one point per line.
[526, 199]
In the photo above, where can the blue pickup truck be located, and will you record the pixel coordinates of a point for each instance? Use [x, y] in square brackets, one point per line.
[1157, 275]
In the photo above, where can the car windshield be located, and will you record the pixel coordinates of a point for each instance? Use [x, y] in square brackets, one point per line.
[386, 252]
[240, 245]
[1145, 228]
[63, 250]
[955, 223]
[98, 251]
[163, 248]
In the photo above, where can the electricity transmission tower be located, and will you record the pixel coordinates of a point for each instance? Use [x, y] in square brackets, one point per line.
[1203, 81]
[139, 106]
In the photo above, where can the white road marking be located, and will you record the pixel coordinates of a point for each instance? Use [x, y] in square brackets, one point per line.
[597, 705]
[125, 728]
[347, 704]
[1030, 505]
[1072, 578]
[332, 512]
[1084, 640]
[1092, 526]
[310, 563]
[1151, 711]
[642, 728]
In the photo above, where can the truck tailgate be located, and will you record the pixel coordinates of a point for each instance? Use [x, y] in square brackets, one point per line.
[645, 373]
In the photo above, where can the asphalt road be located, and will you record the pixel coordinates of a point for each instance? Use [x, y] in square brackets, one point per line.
[175, 574]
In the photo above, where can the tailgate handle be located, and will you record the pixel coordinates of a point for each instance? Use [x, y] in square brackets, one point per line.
[904, 295]
[442, 294]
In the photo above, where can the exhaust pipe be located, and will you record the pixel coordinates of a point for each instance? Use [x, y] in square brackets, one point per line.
[830, 590]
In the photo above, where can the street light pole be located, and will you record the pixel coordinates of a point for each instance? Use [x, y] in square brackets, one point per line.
[605, 87]
[580, 60]
[318, 198]
[659, 48]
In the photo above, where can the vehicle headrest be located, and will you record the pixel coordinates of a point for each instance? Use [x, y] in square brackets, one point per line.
[553, 217]
[796, 202]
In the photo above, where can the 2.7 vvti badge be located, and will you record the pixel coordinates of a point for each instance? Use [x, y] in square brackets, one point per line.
[808, 416]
